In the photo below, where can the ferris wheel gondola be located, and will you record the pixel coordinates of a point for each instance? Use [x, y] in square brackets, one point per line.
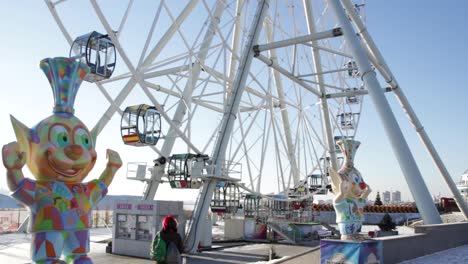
[140, 125]
[226, 198]
[185, 170]
[98, 52]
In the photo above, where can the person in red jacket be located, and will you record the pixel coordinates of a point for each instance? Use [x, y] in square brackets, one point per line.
[173, 240]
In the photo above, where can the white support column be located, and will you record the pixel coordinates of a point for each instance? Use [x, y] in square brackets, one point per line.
[379, 62]
[201, 208]
[401, 149]
[235, 42]
[284, 111]
[186, 100]
[326, 123]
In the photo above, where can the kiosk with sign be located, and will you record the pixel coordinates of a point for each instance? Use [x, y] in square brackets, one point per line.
[136, 222]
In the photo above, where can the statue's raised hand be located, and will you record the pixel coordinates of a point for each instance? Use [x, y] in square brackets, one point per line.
[113, 159]
[13, 158]
[113, 164]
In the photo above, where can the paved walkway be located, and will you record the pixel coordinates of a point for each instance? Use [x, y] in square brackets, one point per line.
[15, 249]
[454, 255]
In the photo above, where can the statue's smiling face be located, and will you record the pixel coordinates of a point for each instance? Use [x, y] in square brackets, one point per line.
[65, 150]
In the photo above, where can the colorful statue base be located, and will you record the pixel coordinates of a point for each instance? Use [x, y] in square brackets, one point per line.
[60, 152]
[351, 252]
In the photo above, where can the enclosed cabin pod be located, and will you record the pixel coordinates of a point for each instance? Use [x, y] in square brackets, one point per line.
[281, 207]
[251, 205]
[98, 52]
[352, 69]
[347, 120]
[352, 99]
[299, 190]
[316, 183]
[185, 170]
[226, 198]
[140, 125]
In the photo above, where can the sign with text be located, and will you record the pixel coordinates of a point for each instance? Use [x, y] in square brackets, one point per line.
[124, 206]
[145, 207]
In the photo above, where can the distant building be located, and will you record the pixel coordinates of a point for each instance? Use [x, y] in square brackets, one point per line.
[396, 197]
[386, 197]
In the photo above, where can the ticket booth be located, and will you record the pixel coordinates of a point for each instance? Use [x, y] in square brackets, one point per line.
[136, 222]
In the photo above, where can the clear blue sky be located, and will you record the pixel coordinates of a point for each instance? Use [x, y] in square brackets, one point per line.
[424, 42]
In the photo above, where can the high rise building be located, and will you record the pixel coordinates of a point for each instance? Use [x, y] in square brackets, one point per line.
[386, 197]
[396, 197]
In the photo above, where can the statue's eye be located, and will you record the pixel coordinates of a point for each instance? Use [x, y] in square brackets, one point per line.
[82, 138]
[58, 135]
[356, 178]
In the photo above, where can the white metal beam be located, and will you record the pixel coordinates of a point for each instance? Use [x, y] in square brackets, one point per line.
[270, 62]
[284, 110]
[326, 125]
[312, 37]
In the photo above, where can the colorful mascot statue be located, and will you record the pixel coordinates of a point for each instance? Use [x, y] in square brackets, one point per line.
[350, 193]
[60, 152]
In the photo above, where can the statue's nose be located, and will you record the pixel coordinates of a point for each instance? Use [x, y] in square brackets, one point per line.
[74, 152]
[362, 185]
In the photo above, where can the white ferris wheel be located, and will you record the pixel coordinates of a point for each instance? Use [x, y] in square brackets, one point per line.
[185, 55]
[267, 86]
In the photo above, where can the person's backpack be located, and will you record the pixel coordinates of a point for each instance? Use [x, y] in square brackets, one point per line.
[173, 254]
[158, 249]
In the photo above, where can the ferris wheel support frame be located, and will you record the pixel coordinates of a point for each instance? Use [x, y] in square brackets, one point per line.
[379, 61]
[326, 123]
[117, 102]
[400, 147]
[284, 111]
[186, 99]
[201, 208]
[138, 75]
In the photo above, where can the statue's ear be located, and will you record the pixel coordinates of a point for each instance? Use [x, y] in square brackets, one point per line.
[94, 133]
[23, 134]
[335, 180]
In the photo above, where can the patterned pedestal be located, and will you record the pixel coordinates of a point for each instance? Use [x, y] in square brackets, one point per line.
[351, 252]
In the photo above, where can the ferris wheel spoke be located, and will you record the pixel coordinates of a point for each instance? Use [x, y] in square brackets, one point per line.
[169, 33]
[310, 148]
[150, 33]
[246, 153]
[279, 166]
[124, 18]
